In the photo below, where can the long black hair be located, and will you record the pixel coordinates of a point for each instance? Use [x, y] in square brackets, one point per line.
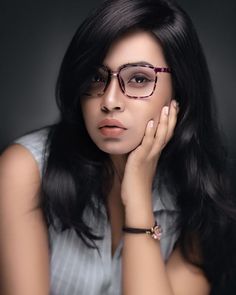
[192, 165]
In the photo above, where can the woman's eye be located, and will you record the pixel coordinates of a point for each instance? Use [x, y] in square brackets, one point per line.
[97, 79]
[139, 79]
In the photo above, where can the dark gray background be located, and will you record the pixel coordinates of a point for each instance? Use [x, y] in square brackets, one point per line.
[34, 37]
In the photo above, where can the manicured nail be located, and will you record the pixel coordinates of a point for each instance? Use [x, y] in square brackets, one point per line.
[151, 124]
[175, 103]
[166, 110]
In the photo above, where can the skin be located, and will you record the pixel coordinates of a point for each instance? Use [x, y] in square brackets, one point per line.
[24, 236]
[134, 114]
[135, 155]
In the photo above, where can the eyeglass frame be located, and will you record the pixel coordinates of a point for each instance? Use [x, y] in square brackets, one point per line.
[117, 74]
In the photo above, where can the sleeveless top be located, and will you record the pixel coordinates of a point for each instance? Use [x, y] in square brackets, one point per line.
[78, 270]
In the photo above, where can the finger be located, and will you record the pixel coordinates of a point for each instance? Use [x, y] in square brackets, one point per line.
[149, 135]
[160, 138]
[174, 109]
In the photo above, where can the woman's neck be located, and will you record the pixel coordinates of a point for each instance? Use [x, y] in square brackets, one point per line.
[114, 203]
[119, 162]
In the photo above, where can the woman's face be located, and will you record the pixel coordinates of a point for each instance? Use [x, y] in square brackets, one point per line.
[132, 113]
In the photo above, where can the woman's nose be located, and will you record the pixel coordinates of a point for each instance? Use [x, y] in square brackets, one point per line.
[113, 99]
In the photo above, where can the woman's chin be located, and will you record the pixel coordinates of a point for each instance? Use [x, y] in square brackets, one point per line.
[117, 149]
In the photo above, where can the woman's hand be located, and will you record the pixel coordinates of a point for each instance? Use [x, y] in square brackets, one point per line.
[142, 162]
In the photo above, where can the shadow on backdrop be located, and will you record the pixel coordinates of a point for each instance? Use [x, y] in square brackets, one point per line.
[34, 37]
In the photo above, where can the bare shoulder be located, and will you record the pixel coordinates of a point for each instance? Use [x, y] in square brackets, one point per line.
[19, 175]
[186, 278]
[16, 154]
[24, 237]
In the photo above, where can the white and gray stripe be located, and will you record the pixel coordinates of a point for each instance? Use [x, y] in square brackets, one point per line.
[77, 270]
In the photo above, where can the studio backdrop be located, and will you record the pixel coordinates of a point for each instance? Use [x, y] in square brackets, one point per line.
[35, 35]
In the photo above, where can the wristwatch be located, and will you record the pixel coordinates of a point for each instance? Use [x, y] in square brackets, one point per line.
[155, 231]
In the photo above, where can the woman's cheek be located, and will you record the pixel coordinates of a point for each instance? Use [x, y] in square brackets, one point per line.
[123, 145]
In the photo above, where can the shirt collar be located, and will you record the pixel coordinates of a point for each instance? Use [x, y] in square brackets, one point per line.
[163, 200]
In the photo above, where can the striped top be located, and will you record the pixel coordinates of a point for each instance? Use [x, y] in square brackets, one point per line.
[78, 270]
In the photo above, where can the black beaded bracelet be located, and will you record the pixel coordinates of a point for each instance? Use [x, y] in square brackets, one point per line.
[154, 231]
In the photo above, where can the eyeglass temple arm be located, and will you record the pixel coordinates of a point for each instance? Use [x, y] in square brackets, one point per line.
[162, 70]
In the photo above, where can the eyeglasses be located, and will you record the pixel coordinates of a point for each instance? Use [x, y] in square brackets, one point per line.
[135, 80]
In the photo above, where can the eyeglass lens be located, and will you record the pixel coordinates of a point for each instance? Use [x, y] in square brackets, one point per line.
[135, 81]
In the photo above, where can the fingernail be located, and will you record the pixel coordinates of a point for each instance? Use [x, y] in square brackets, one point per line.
[166, 110]
[151, 124]
[175, 103]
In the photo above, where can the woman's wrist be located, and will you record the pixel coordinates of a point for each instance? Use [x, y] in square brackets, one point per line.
[141, 217]
[155, 231]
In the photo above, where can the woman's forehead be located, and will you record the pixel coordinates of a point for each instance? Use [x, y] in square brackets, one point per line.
[134, 47]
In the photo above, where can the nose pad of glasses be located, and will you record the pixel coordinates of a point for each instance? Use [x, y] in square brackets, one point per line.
[120, 81]
[107, 83]
[122, 84]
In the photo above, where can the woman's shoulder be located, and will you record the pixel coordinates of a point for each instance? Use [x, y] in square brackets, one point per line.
[30, 146]
[19, 175]
[22, 221]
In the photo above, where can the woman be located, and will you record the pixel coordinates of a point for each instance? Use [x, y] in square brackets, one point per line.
[127, 193]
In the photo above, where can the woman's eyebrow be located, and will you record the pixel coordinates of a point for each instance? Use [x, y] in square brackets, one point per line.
[139, 63]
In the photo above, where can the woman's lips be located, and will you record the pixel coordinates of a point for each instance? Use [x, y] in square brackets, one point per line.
[110, 123]
[111, 127]
[111, 131]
